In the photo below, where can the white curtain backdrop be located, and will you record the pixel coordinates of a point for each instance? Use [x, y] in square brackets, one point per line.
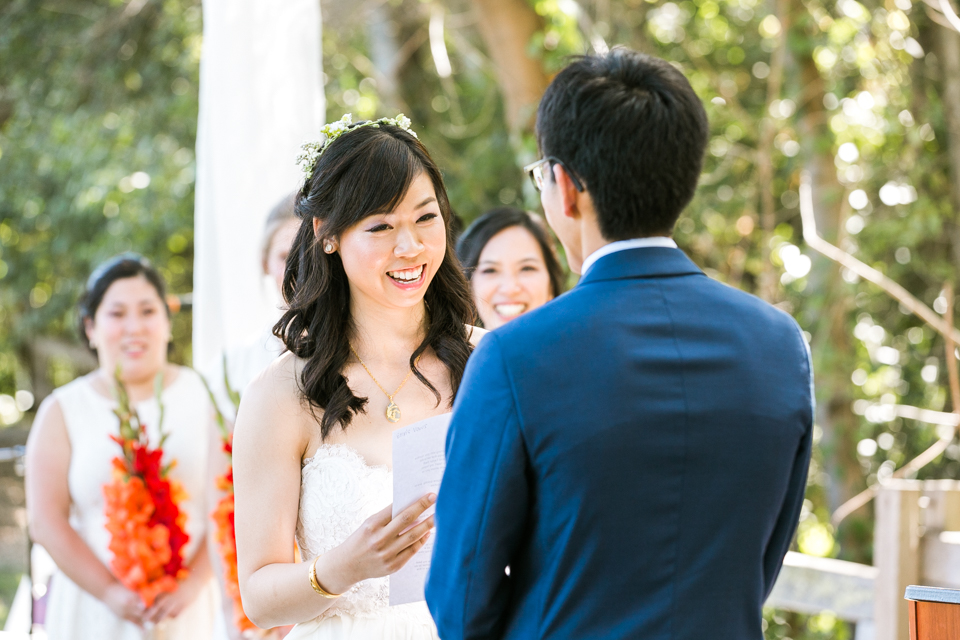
[261, 97]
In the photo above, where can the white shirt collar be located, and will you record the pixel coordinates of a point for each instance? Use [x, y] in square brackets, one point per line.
[623, 245]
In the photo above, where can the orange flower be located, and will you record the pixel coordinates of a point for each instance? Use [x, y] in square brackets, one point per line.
[226, 538]
[143, 517]
[222, 516]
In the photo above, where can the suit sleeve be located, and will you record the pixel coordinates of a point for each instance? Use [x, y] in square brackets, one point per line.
[789, 516]
[482, 503]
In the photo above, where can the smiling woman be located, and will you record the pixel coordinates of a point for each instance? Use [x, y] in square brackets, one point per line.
[512, 266]
[126, 323]
[378, 336]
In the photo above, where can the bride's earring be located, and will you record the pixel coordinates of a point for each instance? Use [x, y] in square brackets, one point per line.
[328, 247]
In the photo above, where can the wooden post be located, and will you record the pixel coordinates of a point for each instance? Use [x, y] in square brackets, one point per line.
[940, 545]
[943, 510]
[896, 555]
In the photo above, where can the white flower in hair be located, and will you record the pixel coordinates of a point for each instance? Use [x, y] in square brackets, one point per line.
[312, 150]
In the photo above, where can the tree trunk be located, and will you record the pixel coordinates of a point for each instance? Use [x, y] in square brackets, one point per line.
[765, 150]
[833, 346]
[384, 53]
[948, 55]
[507, 27]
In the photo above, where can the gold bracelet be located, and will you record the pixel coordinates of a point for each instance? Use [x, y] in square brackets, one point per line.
[316, 585]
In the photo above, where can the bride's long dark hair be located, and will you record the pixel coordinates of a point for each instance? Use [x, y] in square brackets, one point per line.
[365, 171]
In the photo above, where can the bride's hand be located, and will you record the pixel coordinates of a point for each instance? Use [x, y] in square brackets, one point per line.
[381, 546]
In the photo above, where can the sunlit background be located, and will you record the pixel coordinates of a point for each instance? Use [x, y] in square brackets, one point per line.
[98, 121]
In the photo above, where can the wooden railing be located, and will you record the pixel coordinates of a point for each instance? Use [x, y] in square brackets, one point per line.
[916, 541]
[808, 584]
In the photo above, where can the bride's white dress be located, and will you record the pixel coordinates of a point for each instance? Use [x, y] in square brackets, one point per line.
[338, 491]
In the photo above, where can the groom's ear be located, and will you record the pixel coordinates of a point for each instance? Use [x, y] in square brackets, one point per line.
[567, 191]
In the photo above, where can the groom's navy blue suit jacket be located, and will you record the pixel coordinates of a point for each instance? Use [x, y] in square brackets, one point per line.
[635, 452]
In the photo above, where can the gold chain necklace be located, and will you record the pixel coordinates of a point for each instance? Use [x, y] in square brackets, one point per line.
[393, 411]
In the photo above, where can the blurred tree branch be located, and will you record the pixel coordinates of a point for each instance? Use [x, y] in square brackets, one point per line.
[942, 325]
[937, 448]
[865, 271]
[950, 14]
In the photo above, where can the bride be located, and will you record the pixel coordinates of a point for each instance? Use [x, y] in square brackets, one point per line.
[378, 339]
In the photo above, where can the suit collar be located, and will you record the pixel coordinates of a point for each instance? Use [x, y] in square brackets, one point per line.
[648, 262]
[623, 245]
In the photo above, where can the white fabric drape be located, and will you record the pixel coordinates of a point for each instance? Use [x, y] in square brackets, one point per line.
[261, 97]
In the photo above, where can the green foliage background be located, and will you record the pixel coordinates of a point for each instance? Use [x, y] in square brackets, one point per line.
[95, 100]
[98, 106]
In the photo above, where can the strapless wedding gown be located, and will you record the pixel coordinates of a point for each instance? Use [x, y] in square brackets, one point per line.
[338, 491]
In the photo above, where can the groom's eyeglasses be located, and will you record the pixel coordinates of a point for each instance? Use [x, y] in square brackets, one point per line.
[535, 171]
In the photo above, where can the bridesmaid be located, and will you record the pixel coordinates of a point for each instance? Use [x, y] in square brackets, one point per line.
[125, 322]
[511, 264]
[246, 360]
[244, 363]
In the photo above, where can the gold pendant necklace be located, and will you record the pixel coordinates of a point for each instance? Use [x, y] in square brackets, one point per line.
[393, 411]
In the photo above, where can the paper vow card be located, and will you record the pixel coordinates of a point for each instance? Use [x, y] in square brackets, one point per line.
[418, 463]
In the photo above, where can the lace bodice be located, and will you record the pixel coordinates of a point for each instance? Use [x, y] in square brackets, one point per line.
[338, 491]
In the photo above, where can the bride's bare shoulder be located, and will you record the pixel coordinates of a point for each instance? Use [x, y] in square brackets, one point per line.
[276, 391]
[475, 334]
[279, 376]
[273, 416]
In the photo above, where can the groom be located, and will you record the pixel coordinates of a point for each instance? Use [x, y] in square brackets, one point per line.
[629, 460]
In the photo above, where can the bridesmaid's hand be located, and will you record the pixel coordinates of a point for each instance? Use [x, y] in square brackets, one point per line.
[170, 605]
[124, 604]
[381, 546]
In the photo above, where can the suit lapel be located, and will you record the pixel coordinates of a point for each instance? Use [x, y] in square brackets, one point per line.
[646, 262]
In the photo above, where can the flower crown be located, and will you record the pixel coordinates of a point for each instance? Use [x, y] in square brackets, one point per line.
[333, 130]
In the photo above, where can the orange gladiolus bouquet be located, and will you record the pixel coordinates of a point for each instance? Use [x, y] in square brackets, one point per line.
[144, 519]
[226, 533]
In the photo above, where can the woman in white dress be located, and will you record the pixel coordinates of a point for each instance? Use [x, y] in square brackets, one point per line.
[244, 363]
[378, 339]
[126, 322]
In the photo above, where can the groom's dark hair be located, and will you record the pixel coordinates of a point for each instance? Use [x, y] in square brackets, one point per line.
[630, 127]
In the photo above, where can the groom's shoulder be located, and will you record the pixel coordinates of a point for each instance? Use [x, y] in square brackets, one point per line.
[714, 302]
[752, 305]
[549, 319]
[557, 310]
[701, 298]
[698, 296]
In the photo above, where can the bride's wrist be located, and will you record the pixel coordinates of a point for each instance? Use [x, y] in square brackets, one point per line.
[334, 576]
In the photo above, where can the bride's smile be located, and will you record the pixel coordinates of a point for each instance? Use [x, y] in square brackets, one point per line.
[411, 276]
